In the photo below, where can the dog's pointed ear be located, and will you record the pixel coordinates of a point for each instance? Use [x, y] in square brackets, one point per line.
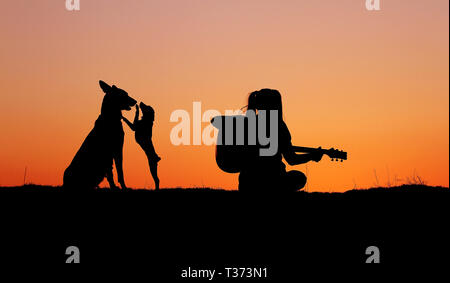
[105, 87]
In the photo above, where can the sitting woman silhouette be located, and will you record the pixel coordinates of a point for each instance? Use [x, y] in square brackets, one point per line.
[143, 135]
[268, 173]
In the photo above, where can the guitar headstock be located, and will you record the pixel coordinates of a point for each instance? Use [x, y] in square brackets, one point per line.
[336, 154]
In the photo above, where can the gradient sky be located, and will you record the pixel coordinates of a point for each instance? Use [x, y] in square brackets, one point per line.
[372, 83]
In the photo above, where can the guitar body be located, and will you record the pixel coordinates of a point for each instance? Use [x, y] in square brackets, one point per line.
[232, 155]
[229, 158]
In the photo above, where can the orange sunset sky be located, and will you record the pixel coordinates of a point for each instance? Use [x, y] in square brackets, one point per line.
[374, 83]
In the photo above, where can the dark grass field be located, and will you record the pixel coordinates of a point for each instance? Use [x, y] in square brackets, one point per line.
[384, 190]
[174, 228]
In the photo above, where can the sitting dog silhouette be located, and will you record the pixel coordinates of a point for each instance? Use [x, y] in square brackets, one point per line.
[103, 145]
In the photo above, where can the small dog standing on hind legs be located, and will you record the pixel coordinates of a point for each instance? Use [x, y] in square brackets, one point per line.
[103, 146]
[143, 135]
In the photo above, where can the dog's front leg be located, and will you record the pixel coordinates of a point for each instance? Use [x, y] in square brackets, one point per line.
[110, 178]
[118, 160]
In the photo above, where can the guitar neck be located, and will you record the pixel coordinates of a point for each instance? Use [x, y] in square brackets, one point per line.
[332, 153]
[305, 149]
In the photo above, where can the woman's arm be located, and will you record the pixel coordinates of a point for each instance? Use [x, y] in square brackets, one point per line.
[289, 153]
[292, 158]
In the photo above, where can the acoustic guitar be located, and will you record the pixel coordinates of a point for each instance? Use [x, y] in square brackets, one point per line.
[231, 157]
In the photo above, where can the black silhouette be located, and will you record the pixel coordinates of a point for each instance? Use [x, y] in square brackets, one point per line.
[94, 159]
[143, 134]
[266, 173]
